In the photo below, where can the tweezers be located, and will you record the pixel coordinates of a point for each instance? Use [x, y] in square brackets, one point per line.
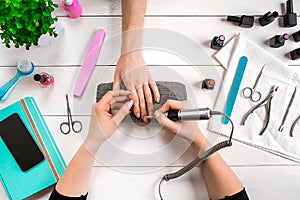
[267, 104]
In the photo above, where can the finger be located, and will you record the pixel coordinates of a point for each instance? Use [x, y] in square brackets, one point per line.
[148, 97]
[165, 122]
[117, 93]
[142, 104]
[120, 99]
[155, 91]
[136, 105]
[119, 116]
[170, 104]
[116, 106]
[117, 82]
[105, 102]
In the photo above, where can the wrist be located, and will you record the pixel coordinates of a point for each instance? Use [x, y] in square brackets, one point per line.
[199, 139]
[132, 41]
[134, 54]
[93, 144]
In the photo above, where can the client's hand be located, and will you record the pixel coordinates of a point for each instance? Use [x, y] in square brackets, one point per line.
[187, 129]
[132, 70]
[107, 114]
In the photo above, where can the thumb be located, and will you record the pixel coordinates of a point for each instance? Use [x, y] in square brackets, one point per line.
[124, 110]
[165, 122]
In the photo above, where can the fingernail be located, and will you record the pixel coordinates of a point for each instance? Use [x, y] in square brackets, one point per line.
[138, 115]
[157, 99]
[145, 119]
[130, 103]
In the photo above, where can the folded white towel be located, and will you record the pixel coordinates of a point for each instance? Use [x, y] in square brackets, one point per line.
[274, 73]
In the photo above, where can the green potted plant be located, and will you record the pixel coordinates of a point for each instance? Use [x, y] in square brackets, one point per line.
[23, 22]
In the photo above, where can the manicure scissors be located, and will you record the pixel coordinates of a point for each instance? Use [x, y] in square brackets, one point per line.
[65, 127]
[252, 93]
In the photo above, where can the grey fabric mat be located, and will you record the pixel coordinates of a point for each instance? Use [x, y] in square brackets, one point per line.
[167, 90]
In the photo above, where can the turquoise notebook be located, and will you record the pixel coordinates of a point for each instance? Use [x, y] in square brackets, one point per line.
[20, 174]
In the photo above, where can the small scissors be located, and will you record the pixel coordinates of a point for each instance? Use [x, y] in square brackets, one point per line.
[251, 93]
[65, 127]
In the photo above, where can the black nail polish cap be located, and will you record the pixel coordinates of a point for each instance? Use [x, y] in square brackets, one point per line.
[295, 54]
[39, 78]
[290, 19]
[296, 36]
[244, 21]
[268, 18]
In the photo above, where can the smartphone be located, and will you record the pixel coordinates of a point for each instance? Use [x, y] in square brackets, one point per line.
[20, 142]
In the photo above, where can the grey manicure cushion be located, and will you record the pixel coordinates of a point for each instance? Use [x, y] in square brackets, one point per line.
[167, 90]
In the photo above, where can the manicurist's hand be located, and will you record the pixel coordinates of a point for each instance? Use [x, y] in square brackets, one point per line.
[107, 114]
[187, 129]
[132, 70]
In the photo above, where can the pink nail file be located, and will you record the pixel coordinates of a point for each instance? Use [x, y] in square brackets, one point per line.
[89, 63]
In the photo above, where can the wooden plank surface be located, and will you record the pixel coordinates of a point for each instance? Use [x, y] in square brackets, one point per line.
[191, 7]
[71, 46]
[266, 176]
[267, 182]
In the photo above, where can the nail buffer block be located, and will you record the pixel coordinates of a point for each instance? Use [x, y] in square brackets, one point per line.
[89, 63]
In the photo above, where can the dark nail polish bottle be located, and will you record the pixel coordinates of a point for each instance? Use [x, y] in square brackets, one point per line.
[208, 84]
[268, 18]
[290, 19]
[244, 21]
[295, 54]
[218, 42]
[296, 36]
[278, 40]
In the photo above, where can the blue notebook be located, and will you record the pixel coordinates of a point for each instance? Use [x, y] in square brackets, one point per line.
[30, 160]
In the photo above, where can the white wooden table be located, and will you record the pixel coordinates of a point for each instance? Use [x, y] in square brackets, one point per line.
[264, 175]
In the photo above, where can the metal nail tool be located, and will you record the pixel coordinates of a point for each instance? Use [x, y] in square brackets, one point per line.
[65, 127]
[252, 93]
[296, 122]
[267, 104]
[281, 127]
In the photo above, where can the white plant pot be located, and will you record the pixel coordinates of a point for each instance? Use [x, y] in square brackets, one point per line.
[45, 40]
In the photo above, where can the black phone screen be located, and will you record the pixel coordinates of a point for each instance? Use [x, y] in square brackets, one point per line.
[20, 142]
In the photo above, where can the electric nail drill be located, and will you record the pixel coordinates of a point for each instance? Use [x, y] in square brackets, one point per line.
[188, 115]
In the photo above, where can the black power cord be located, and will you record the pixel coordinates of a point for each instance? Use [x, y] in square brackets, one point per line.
[200, 158]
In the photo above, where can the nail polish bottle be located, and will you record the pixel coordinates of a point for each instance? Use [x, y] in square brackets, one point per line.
[290, 19]
[278, 40]
[218, 42]
[295, 54]
[72, 7]
[244, 21]
[208, 84]
[268, 18]
[44, 79]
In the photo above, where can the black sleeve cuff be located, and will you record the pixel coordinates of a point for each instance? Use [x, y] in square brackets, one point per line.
[56, 196]
[242, 195]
